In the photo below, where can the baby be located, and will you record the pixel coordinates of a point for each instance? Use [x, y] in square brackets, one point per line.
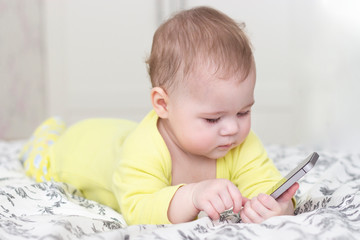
[193, 152]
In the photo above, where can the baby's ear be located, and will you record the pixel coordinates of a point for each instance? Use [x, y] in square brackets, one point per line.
[159, 100]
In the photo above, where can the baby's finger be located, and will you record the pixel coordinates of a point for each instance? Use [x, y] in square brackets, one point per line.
[251, 214]
[244, 200]
[237, 198]
[268, 202]
[288, 194]
[218, 204]
[260, 208]
[210, 211]
[244, 218]
[226, 199]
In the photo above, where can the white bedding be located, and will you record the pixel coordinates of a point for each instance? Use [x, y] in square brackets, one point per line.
[328, 206]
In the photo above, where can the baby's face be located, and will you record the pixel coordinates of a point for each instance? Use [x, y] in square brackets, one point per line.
[210, 116]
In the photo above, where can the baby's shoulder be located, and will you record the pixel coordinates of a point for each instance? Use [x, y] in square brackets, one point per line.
[145, 140]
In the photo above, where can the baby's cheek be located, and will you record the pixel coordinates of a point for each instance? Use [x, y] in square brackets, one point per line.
[195, 141]
[244, 132]
[203, 142]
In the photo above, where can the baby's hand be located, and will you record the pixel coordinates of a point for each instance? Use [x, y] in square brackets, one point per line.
[215, 196]
[262, 207]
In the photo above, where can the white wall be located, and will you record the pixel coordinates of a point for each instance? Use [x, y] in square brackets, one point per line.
[96, 53]
[21, 68]
[307, 55]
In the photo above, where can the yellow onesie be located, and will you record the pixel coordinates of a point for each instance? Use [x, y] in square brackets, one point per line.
[127, 166]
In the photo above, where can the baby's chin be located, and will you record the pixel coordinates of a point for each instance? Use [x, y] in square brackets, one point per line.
[218, 154]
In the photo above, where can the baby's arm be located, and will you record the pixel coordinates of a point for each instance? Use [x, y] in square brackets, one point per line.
[211, 196]
[263, 206]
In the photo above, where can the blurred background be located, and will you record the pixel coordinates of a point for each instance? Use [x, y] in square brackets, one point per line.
[85, 58]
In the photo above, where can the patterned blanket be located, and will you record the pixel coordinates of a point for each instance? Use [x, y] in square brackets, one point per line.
[328, 206]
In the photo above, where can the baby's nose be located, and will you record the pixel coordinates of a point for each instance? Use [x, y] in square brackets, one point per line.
[230, 128]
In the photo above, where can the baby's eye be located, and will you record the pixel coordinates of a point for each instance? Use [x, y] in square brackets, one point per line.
[242, 114]
[212, 120]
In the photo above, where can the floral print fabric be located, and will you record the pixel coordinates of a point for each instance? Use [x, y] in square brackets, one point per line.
[328, 206]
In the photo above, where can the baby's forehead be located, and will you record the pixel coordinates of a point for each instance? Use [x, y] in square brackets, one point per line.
[203, 75]
[202, 83]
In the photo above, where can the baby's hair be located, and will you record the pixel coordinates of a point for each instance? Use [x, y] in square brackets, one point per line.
[201, 35]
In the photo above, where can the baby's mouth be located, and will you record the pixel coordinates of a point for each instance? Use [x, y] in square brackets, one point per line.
[226, 146]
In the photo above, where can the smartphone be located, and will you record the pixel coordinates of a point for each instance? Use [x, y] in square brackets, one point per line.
[304, 167]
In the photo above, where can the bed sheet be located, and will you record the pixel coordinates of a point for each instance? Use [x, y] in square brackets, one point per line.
[328, 206]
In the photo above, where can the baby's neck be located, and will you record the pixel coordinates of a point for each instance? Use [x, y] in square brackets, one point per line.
[186, 167]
